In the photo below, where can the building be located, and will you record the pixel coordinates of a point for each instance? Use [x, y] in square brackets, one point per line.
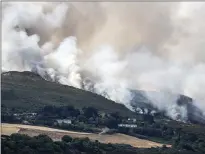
[25, 114]
[128, 125]
[65, 121]
[28, 116]
[132, 120]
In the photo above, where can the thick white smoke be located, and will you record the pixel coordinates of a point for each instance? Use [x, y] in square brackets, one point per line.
[109, 48]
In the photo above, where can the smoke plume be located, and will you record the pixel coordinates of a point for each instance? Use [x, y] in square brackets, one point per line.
[109, 48]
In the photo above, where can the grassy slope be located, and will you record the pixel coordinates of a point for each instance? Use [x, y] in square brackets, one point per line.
[27, 91]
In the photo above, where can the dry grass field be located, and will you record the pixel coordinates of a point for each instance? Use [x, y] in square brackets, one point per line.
[57, 134]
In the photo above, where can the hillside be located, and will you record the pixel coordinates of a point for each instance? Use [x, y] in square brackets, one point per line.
[194, 114]
[27, 91]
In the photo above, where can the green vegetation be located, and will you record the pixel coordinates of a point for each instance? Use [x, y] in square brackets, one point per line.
[42, 144]
[182, 136]
[87, 119]
[28, 92]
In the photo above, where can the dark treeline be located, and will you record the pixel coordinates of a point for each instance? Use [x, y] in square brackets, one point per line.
[87, 119]
[42, 144]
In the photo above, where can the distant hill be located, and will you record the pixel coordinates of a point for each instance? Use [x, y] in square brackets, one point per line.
[28, 91]
[194, 114]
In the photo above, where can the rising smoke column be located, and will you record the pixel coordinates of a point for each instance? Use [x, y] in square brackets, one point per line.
[109, 48]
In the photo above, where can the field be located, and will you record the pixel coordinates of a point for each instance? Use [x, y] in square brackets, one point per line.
[57, 134]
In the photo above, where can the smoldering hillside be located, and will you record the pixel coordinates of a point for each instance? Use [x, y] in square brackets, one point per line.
[110, 48]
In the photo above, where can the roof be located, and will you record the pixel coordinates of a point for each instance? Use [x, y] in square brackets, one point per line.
[127, 125]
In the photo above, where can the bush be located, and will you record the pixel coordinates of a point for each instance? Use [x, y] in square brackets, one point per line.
[66, 138]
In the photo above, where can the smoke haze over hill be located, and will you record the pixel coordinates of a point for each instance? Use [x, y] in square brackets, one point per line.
[109, 48]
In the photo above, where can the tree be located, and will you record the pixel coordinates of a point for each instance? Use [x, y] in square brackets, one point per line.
[82, 118]
[49, 110]
[66, 138]
[18, 137]
[43, 138]
[111, 123]
[27, 150]
[116, 115]
[90, 112]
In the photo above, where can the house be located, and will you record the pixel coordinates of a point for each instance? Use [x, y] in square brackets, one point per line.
[65, 121]
[132, 120]
[25, 115]
[128, 125]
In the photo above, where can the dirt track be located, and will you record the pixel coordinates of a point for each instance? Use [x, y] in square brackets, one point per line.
[57, 134]
[6, 126]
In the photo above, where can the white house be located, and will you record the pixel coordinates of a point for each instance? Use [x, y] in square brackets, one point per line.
[127, 125]
[65, 121]
[132, 120]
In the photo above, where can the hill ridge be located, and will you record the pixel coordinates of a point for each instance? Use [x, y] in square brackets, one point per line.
[27, 88]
